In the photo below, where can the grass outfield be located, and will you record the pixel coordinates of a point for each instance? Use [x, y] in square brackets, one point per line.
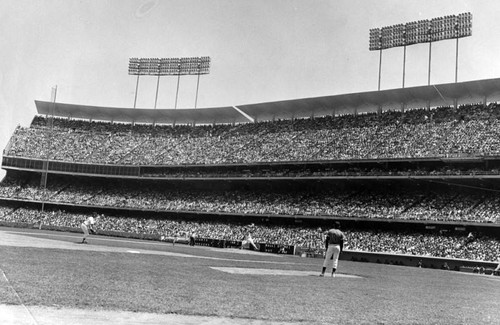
[179, 279]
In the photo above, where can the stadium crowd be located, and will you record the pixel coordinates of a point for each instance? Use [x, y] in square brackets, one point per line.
[483, 248]
[470, 130]
[390, 203]
[307, 172]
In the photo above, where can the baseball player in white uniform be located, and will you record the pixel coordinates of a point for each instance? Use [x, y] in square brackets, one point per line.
[334, 244]
[87, 225]
[248, 240]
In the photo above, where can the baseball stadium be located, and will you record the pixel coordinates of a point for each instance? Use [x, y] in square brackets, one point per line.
[182, 213]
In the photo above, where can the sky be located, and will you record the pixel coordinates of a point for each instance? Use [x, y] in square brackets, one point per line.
[261, 50]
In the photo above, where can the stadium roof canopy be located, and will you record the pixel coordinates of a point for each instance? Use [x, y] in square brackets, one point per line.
[373, 101]
[167, 116]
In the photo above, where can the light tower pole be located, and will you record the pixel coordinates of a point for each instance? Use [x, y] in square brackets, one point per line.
[50, 128]
[169, 67]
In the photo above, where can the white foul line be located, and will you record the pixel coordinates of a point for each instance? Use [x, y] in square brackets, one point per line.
[6, 280]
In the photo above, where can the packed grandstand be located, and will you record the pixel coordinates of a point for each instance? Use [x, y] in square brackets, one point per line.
[411, 182]
[470, 130]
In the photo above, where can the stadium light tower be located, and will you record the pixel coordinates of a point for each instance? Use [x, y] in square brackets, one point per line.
[169, 67]
[422, 31]
[376, 44]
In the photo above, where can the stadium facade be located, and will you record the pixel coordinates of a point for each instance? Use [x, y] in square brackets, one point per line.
[419, 164]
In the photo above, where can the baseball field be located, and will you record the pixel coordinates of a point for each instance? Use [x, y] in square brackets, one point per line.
[48, 277]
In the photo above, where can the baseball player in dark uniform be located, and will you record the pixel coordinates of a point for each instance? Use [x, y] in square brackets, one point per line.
[334, 244]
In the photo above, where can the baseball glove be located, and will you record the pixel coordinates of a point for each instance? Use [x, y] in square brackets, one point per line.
[92, 231]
